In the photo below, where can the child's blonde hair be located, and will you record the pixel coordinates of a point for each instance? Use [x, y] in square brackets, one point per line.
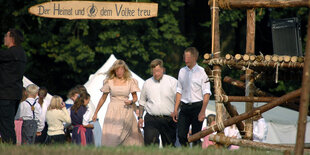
[32, 90]
[56, 103]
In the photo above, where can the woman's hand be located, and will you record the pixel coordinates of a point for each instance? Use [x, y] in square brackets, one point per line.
[128, 102]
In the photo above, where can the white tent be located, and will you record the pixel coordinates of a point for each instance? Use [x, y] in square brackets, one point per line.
[26, 82]
[281, 122]
[95, 82]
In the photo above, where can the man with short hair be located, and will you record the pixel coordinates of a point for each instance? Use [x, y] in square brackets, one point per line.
[12, 68]
[193, 93]
[158, 99]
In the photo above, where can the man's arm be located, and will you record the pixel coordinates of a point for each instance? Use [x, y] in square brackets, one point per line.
[202, 112]
[174, 115]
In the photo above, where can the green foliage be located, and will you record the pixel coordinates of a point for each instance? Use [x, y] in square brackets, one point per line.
[62, 53]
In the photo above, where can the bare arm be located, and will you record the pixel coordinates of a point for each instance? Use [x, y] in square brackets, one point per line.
[205, 102]
[140, 121]
[101, 102]
[174, 115]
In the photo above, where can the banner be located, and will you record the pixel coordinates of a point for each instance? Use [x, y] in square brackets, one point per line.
[95, 10]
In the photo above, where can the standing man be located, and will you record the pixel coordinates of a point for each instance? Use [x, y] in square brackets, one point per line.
[12, 68]
[158, 98]
[193, 93]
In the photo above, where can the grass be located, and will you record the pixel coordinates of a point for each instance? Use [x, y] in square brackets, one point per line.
[70, 149]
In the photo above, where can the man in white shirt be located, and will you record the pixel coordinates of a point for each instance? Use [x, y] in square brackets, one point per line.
[158, 98]
[193, 93]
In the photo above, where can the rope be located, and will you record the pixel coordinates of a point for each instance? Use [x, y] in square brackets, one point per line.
[277, 73]
[220, 125]
[224, 4]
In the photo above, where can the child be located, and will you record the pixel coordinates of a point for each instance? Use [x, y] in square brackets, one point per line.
[30, 111]
[210, 121]
[44, 104]
[56, 115]
[80, 114]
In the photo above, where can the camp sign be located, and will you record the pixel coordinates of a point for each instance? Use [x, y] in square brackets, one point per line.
[95, 10]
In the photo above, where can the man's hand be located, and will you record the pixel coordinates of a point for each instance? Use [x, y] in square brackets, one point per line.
[174, 116]
[201, 116]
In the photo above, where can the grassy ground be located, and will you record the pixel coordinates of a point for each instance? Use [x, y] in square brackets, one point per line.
[152, 150]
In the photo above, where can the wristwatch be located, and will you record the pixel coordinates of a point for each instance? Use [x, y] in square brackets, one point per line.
[139, 117]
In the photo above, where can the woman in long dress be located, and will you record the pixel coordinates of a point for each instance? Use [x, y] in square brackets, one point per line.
[120, 126]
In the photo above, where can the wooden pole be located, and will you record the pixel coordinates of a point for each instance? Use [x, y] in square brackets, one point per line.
[249, 80]
[248, 4]
[304, 99]
[216, 54]
[233, 112]
[259, 110]
[248, 143]
[249, 99]
[241, 84]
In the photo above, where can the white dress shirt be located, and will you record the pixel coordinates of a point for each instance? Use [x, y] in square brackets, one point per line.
[158, 97]
[25, 112]
[193, 84]
[259, 130]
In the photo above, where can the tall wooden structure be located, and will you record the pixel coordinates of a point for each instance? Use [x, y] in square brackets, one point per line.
[249, 63]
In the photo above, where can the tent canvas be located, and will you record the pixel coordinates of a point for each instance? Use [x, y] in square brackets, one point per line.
[27, 82]
[95, 83]
[281, 122]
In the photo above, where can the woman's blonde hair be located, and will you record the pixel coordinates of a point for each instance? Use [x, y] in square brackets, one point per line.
[56, 103]
[111, 73]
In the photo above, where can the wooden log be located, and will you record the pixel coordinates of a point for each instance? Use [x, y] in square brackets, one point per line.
[238, 57]
[294, 59]
[216, 49]
[268, 57]
[281, 58]
[259, 110]
[259, 58]
[248, 143]
[304, 99]
[300, 59]
[253, 65]
[252, 57]
[287, 58]
[207, 56]
[246, 57]
[248, 4]
[233, 112]
[249, 99]
[241, 84]
[249, 80]
[275, 58]
[228, 57]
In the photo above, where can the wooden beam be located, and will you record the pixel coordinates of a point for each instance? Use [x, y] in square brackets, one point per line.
[259, 110]
[241, 84]
[233, 112]
[248, 4]
[216, 51]
[253, 65]
[248, 143]
[304, 99]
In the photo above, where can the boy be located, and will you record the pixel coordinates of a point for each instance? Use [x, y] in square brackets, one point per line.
[30, 111]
